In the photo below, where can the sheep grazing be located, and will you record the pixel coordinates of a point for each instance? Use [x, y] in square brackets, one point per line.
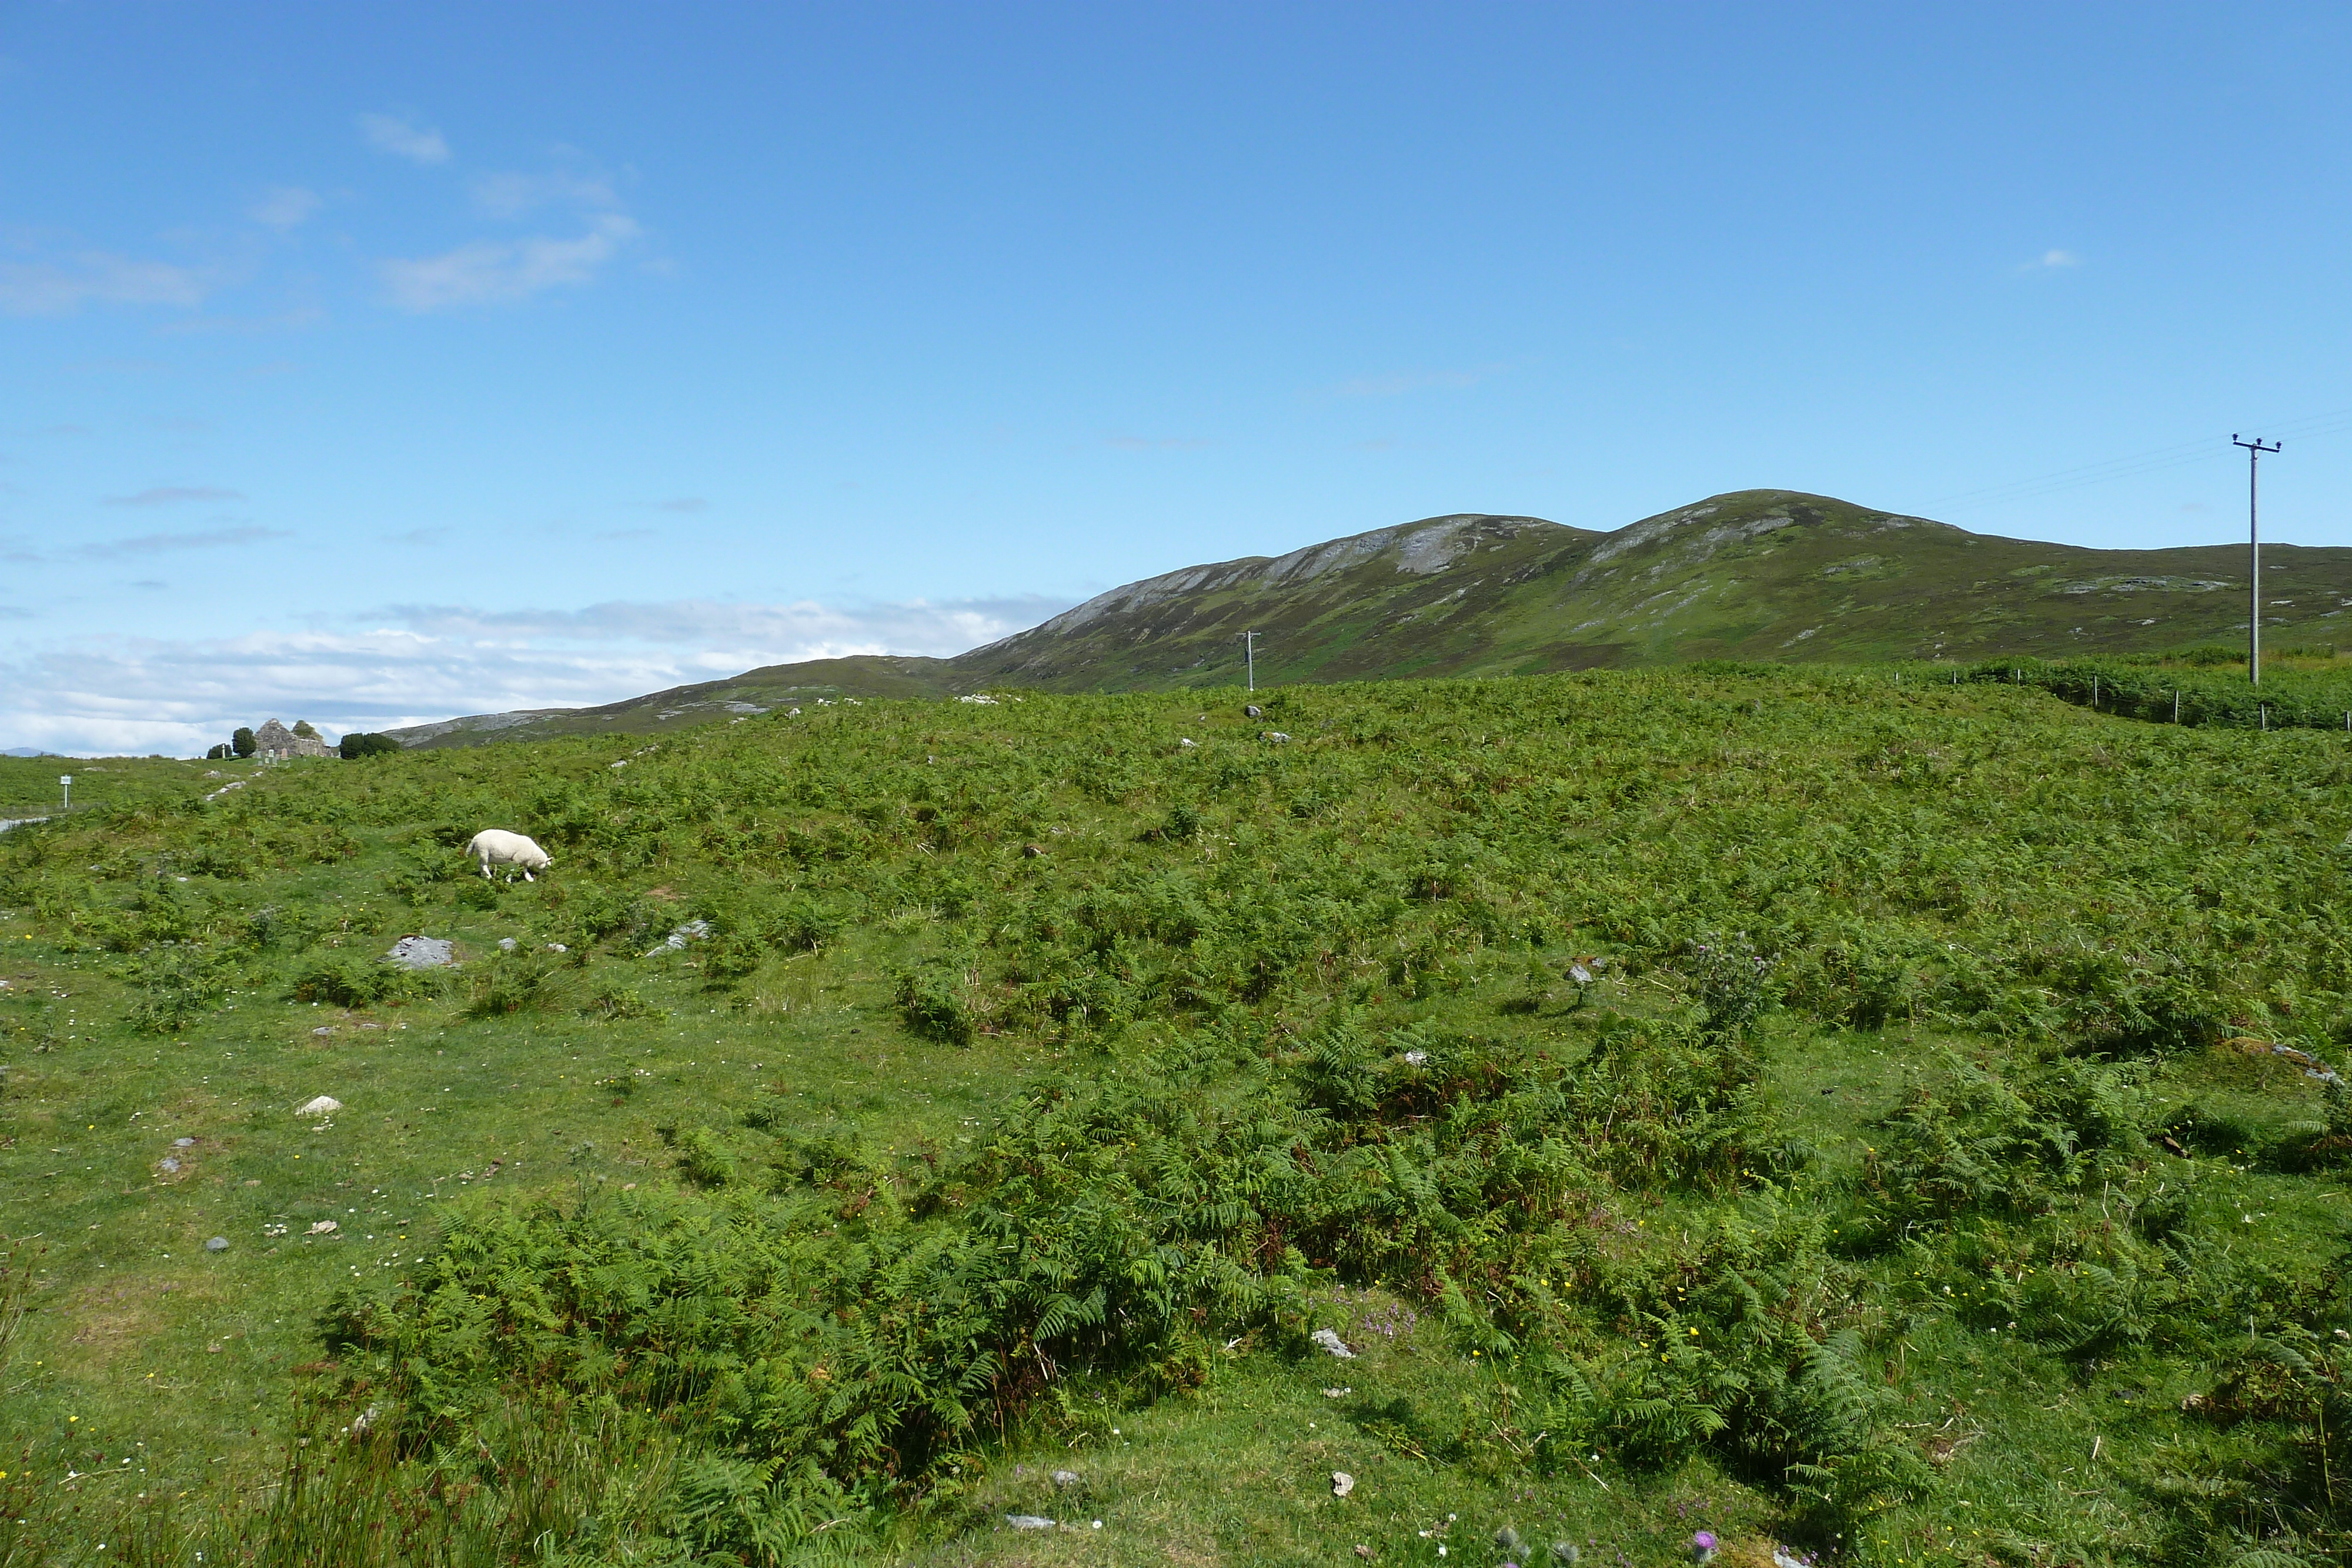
[497, 845]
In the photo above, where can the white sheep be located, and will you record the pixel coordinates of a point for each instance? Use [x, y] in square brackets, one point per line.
[496, 844]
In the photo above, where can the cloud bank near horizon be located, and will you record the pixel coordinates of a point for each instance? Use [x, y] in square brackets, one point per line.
[414, 664]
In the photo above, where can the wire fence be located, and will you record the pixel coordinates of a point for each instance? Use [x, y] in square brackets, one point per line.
[2289, 698]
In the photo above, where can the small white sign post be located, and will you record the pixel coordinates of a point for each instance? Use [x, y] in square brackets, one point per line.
[67, 780]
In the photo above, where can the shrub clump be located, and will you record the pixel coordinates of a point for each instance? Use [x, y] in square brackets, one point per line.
[524, 980]
[349, 980]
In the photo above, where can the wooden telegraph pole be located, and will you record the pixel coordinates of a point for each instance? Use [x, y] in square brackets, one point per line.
[2254, 450]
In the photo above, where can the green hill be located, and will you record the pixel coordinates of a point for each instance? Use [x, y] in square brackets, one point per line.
[1763, 575]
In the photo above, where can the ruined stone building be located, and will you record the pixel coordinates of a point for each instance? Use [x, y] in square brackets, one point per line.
[273, 742]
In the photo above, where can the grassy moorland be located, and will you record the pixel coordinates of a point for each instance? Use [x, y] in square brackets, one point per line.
[29, 785]
[1832, 1110]
[2308, 688]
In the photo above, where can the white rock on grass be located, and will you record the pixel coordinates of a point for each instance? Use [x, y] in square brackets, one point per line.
[692, 931]
[1028, 1522]
[1343, 1483]
[413, 952]
[1331, 1342]
[324, 1105]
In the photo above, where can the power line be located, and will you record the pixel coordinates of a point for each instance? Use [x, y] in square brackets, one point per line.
[2309, 428]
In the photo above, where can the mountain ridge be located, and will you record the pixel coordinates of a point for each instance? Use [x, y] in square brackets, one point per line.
[1759, 575]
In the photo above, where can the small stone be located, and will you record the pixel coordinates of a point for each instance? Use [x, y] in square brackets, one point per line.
[557, 947]
[1031, 852]
[324, 1105]
[1330, 1340]
[506, 943]
[322, 1228]
[217, 1244]
[422, 953]
[1343, 1483]
[692, 931]
[168, 1165]
[1028, 1522]
[212, 1349]
[1337, 1393]
[1066, 1478]
[1416, 1058]
[184, 1143]
[1252, 711]
[324, 1028]
[1364, 1551]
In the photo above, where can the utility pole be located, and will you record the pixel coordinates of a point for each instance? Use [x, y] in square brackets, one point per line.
[2254, 450]
[1249, 652]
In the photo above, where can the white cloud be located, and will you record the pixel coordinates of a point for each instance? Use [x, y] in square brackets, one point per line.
[2049, 260]
[205, 539]
[16, 548]
[418, 664]
[511, 195]
[284, 206]
[61, 285]
[497, 271]
[768, 633]
[167, 495]
[390, 133]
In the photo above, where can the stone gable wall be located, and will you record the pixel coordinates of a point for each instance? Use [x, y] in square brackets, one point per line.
[273, 742]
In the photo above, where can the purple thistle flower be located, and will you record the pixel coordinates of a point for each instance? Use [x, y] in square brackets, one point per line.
[1702, 1545]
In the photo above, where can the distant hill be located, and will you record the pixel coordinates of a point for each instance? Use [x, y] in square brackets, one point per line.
[1772, 575]
[754, 691]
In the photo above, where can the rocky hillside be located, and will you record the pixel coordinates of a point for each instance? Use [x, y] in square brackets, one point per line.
[1756, 575]
[1753, 575]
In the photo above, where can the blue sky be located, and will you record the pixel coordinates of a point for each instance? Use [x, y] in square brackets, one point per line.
[373, 365]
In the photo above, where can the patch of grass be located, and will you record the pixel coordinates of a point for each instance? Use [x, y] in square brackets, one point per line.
[1908, 1176]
